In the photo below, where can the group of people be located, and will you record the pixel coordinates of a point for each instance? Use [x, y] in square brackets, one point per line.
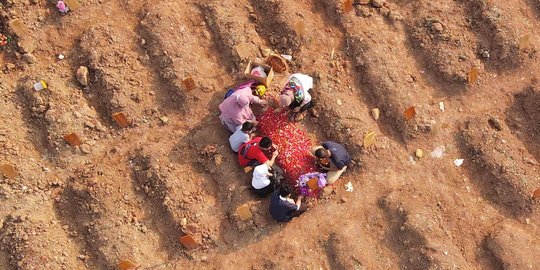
[260, 153]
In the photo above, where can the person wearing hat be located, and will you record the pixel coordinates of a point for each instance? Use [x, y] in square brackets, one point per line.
[295, 95]
[235, 109]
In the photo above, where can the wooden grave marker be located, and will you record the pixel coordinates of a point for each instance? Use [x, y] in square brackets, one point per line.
[9, 171]
[410, 113]
[73, 140]
[121, 119]
[188, 241]
[72, 4]
[243, 212]
[18, 27]
[472, 76]
[242, 50]
[369, 139]
[347, 6]
[300, 28]
[188, 84]
[127, 265]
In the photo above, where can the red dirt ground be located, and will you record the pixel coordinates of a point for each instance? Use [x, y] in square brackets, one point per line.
[130, 193]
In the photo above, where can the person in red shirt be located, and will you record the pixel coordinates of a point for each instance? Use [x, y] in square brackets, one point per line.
[252, 152]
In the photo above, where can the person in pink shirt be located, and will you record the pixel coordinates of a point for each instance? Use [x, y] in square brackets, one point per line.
[62, 7]
[235, 109]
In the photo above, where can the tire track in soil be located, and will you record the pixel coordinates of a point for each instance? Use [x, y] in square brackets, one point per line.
[47, 116]
[417, 235]
[31, 241]
[234, 31]
[393, 84]
[333, 93]
[119, 81]
[505, 179]
[440, 38]
[499, 32]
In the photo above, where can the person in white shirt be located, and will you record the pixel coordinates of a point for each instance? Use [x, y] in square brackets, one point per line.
[295, 95]
[265, 179]
[243, 134]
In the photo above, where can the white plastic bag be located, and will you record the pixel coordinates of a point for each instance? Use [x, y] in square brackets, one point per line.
[258, 71]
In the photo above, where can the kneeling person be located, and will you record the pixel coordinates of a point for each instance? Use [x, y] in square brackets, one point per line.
[333, 157]
[251, 153]
[282, 207]
[265, 179]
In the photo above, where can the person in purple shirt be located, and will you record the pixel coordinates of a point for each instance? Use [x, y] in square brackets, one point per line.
[282, 207]
[333, 157]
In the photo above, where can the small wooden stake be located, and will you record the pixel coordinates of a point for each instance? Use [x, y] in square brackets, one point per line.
[243, 212]
[72, 4]
[73, 139]
[300, 28]
[347, 6]
[536, 194]
[242, 50]
[18, 27]
[369, 139]
[188, 241]
[472, 76]
[9, 171]
[188, 83]
[121, 119]
[127, 265]
[410, 113]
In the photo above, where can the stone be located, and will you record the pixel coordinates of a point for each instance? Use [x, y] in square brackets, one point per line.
[86, 148]
[34, 1]
[494, 123]
[385, 11]
[394, 16]
[82, 75]
[10, 66]
[364, 2]
[183, 222]
[437, 27]
[164, 119]
[376, 113]
[377, 3]
[29, 58]
[419, 153]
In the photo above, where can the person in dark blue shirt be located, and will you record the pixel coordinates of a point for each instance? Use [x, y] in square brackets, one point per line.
[282, 207]
[333, 157]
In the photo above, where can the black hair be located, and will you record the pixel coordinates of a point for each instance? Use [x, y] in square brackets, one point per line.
[321, 153]
[247, 126]
[265, 142]
[284, 191]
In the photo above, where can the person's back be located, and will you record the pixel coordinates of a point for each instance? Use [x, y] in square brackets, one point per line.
[340, 157]
[241, 135]
[281, 207]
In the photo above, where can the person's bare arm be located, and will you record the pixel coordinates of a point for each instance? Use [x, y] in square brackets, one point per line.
[273, 159]
[299, 201]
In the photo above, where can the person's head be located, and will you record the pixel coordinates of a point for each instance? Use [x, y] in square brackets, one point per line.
[247, 127]
[286, 98]
[322, 153]
[242, 100]
[265, 143]
[284, 191]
